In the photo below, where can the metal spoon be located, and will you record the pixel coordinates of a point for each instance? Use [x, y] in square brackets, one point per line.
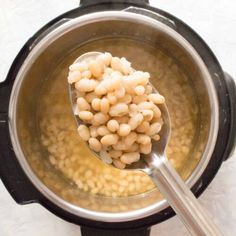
[167, 180]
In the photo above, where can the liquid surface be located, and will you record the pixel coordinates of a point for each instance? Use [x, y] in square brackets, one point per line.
[70, 155]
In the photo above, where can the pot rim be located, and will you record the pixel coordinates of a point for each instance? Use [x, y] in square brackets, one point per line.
[65, 28]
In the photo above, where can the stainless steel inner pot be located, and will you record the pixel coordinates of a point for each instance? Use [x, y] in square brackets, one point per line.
[46, 53]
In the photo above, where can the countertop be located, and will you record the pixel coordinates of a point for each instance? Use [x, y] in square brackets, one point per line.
[214, 20]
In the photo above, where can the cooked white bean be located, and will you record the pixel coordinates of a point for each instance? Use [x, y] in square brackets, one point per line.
[126, 99]
[96, 104]
[95, 145]
[145, 105]
[84, 132]
[154, 129]
[122, 119]
[156, 98]
[102, 130]
[86, 85]
[124, 130]
[129, 158]
[119, 109]
[119, 164]
[90, 96]
[140, 98]
[143, 139]
[135, 121]
[132, 148]
[93, 131]
[105, 58]
[99, 119]
[74, 76]
[113, 125]
[139, 90]
[100, 90]
[116, 64]
[104, 105]
[147, 114]
[156, 137]
[115, 153]
[86, 74]
[80, 66]
[133, 109]
[105, 157]
[96, 68]
[120, 146]
[120, 93]
[146, 148]
[109, 139]
[111, 98]
[131, 138]
[156, 111]
[143, 127]
[85, 115]
[83, 105]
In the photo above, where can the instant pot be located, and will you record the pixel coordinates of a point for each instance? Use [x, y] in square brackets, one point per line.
[215, 92]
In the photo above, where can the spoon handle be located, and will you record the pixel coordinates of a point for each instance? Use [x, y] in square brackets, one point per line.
[181, 199]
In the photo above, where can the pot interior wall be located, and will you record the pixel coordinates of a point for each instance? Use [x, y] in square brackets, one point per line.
[43, 98]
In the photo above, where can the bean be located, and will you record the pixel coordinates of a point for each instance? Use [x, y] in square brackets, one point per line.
[105, 157]
[86, 74]
[129, 158]
[113, 125]
[156, 137]
[85, 115]
[86, 85]
[126, 99]
[146, 149]
[73, 77]
[139, 90]
[119, 109]
[156, 111]
[102, 130]
[130, 139]
[99, 119]
[143, 127]
[111, 98]
[109, 139]
[115, 153]
[124, 130]
[84, 132]
[145, 105]
[80, 66]
[143, 139]
[90, 96]
[118, 164]
[104, 105]
[156, 98]
[147, 114]
[95, 145]
[154, 129]
[83, 105]
[135, 121]
[96, 68]
[93, 131]
[96, 104]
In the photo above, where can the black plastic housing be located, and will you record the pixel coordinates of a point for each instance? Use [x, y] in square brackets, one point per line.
[23, 191]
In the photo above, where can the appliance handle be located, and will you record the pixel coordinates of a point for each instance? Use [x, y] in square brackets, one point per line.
[11, 174]
[95, 2]
[102, 232]
[231, 87]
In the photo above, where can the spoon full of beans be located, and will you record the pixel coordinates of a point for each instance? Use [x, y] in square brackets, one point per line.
[133, 136]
